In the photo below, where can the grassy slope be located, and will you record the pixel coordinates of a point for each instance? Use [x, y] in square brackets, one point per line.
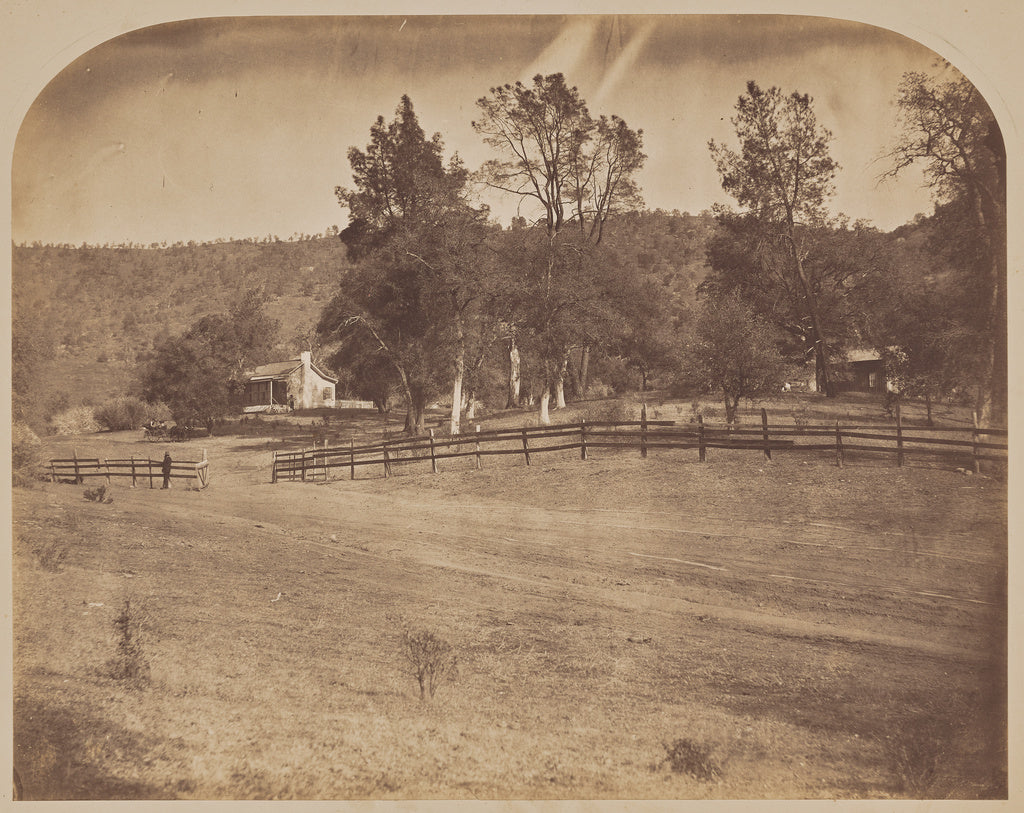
[793, 618]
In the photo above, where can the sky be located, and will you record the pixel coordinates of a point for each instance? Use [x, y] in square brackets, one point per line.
[240, 126]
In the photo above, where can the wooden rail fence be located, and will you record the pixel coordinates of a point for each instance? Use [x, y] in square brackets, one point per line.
[140, 470]
[965, 446]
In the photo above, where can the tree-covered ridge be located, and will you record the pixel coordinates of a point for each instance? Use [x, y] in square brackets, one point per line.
[83, 316]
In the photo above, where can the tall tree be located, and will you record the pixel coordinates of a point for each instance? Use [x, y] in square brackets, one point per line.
[846, 265]
[555, 156]
[419, 244]
[733, 352]
[199, 373]
[947, 127]
[782, 174]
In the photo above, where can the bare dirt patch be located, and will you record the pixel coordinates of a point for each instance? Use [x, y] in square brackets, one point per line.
[790, 618]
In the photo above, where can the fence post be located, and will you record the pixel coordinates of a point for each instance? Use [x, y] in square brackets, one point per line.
[764, 433]
[583, 439]
[273, 469]
[133, 471]
[643, 430]
[106, 463]
[840, 455]
[526, 448]
[352, 458]
[899, 436]
[433, 459]
[701, 449]
[974, 443]
[302, 457]
[53, 472]
[478, 447]
[150, 462]
[78, 477]
[387, 462]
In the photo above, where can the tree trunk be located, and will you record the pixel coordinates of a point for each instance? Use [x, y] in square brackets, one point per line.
[471, 406]
[514, 373]
[575, 391]
[410, 405]
[822, 368]
[544, 417]
[460, 374]
[456, 417]
[995, 327]
[584, 370]
[731, 405]
[560, 385]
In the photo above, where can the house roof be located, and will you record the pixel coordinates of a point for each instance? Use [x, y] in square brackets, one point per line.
[277, 370]
[863, 354]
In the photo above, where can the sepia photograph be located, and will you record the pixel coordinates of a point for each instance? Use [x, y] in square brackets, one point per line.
[509, 406]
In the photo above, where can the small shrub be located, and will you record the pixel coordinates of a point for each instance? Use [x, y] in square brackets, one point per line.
[124, 412]
[50, 554]
[914, 753]
[129, 663]
[609, 412]
[98, 494]
[158, 411]
[26, 454]
[689, 757]
[431, 658]
[75, 421]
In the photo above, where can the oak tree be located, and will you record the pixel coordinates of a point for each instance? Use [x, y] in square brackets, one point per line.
[419, 247]
[782, 175]
[948, 128]
[569, 167]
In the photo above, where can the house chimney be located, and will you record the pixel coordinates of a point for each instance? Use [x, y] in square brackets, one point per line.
[306, 358]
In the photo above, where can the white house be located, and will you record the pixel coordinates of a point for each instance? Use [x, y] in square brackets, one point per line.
[293, 384]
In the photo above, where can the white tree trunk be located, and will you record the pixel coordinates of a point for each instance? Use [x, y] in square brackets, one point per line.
[456, 420]
[560, 385]
[544, 417]
[514, 374]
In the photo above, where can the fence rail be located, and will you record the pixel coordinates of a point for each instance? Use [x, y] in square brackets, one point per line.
[76, 469]
[322, 463]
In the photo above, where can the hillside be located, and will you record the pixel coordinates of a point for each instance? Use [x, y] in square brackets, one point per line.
[89, 312]
[99, 308]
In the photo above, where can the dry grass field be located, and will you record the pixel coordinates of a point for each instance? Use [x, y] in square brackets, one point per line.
[624, 628]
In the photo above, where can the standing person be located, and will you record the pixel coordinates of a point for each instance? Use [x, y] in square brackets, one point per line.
[166, 469]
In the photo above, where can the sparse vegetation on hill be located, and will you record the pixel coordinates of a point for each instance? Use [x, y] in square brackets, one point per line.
[84, 315]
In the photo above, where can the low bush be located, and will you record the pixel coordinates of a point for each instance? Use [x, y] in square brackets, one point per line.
[26, 454]
[431, 658]
[79, 420]
[609, 412]
[914, 751]
[123, 412]
[50, 553]
[98, 494]
[129, 664]
[692, 758]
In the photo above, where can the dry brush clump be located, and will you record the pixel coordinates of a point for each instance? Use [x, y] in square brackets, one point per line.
[687, 756]
[80, 420]
[914, 752]
[26, 454]
[431, 659]
[129, 664]
[99, 494]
